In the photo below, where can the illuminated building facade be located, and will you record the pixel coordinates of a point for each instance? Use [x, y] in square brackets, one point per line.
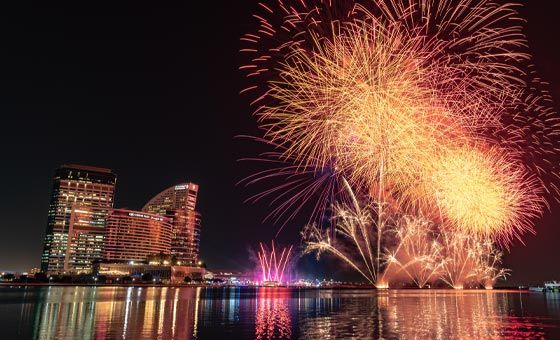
[133, 235]
[179, 204]
[86, 238]
[186, 235]
[73, 185]
[164, 273]
[181, 196]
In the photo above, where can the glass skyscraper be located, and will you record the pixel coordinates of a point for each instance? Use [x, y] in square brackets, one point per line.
[82, 196]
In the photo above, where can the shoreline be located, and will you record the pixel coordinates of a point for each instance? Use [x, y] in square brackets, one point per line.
[148, 285]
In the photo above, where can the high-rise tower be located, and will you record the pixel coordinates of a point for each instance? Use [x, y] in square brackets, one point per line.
[179, 203]
[76, 190]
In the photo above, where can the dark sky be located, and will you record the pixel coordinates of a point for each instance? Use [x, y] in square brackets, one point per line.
[151, 91]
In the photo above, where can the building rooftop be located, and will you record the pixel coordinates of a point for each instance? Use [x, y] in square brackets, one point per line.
[86, 168]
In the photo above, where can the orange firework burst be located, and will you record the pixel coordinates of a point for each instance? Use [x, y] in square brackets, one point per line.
[357, 103]
[412, 101]
[484, 193]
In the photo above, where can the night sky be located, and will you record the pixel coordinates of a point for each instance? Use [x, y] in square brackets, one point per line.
[152, 92]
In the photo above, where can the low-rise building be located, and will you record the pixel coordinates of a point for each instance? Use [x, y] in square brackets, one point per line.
[228, 277]
[160, 273]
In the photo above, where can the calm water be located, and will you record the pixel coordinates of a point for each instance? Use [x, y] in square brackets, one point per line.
[199, 313]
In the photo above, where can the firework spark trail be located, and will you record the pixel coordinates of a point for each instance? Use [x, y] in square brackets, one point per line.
[460, 259]
[318, 241]
[295, 187]
[490, 260]
[417, 254]
[469, 260]
[273, 262]
[416, 251]
[355, 226]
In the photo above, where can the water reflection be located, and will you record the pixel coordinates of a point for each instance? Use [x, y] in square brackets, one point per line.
[442, 314]
[273, 316]
[269, 313]
[108, 313]
[445, 314]
[335, 315]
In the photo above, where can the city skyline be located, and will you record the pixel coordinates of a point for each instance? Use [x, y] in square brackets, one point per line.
[84, 227]
[209, 127]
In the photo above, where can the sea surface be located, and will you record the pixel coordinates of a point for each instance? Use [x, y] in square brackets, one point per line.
[265, 313]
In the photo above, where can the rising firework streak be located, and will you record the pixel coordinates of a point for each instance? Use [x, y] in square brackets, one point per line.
[273, 263]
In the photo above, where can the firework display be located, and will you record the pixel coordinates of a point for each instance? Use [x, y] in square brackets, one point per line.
[418, 124]
[417, 256]
[273, 263]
